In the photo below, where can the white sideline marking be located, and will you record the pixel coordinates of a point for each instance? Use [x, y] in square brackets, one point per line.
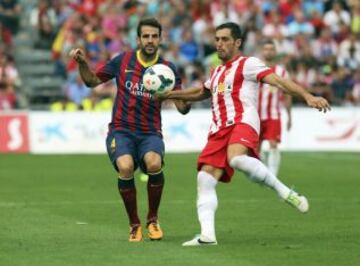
[81, 223]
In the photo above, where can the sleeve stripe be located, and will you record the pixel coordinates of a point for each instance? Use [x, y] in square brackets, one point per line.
[263, 74]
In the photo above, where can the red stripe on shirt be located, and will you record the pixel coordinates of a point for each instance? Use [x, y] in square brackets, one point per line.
[120, 90]
[212, 79]
[268, 109]
[131, 117]
[238, 82]
[261, 87]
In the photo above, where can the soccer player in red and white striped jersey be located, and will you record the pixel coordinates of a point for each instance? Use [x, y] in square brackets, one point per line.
[271, 99]
[234, 133]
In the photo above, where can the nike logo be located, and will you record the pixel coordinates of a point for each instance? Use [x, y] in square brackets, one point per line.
[205, 243]
[129, 70]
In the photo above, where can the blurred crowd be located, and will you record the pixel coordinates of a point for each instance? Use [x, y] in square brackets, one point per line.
[317, 40]
[9, 78]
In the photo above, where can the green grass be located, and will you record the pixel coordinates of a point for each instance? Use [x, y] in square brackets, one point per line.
[44, 200]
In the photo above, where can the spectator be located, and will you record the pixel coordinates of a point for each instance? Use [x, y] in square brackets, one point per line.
[275, 27]
[335, 16]
[9, 18]
[355, 21]
[341, 87]
[188, 50]
[349, 53]
[43, 18]
[317, 22]
[300, 25]
[304, 75]
[76, 91]
[325, 47]
[356, 88]
[7, 97]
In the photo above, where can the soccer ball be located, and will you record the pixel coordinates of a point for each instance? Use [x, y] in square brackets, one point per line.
[159, 78]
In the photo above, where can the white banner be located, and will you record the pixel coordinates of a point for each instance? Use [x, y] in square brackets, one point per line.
[72, 132]
[83, 132]
[337, 130]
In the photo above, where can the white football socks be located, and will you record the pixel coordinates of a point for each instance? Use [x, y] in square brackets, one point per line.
[273, 161]
[207, 204]
[258, 172]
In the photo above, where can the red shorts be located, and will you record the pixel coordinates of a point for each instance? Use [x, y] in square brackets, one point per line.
[215, 151]
[270, 130]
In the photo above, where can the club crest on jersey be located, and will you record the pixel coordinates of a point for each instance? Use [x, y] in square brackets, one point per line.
[113, 145]
[222, 87]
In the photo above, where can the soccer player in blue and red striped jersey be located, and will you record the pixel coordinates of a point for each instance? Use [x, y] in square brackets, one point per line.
[134, 138]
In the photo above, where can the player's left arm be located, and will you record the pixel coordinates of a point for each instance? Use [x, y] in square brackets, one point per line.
[294, 89]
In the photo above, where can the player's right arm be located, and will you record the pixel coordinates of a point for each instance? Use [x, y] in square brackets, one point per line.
[88, 76]
[191, 94]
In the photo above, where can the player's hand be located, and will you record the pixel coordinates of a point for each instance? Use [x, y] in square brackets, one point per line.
[78, 55]
[319, 103]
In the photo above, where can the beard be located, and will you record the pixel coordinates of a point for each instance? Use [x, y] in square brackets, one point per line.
[224, 56]
[146, 52]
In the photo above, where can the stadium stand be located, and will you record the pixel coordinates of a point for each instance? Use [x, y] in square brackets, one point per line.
[318, 41]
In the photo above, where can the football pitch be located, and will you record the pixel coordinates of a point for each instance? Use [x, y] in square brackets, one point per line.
[65, 210]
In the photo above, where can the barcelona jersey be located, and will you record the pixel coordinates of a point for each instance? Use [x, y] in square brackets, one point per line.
[135, 109]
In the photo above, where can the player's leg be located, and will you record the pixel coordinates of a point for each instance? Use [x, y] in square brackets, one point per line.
[206, 204]
[212, 167]
[272, 133]
[273, 159]
[244, 140]
[155, 185]
[127, 190]
[258, 172]
[120, 149]
[151, 150]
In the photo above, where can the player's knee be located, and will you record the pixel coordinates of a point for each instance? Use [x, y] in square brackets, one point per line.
[152, 162]
[126, 168]
[240, 162]
[153, 166]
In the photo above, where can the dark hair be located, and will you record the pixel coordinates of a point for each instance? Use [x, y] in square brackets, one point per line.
[267, 41]
[148, 22]
[235, 29]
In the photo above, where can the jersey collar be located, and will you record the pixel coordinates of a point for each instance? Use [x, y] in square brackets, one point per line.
[229, 63]
[146, 64]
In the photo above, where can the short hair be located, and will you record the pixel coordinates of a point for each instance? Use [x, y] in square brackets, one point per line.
[234, 28]
[267, 41]
[148, 22]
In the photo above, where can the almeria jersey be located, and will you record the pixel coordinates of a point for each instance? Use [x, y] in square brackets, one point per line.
[270, 97]
[234, 88]
[134, 108]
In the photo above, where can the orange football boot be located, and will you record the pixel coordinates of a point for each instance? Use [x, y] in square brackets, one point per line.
[154, 231]
[135, 234]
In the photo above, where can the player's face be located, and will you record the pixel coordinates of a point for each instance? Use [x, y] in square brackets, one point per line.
[269, 52]
[149, 40]
[226, 46]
